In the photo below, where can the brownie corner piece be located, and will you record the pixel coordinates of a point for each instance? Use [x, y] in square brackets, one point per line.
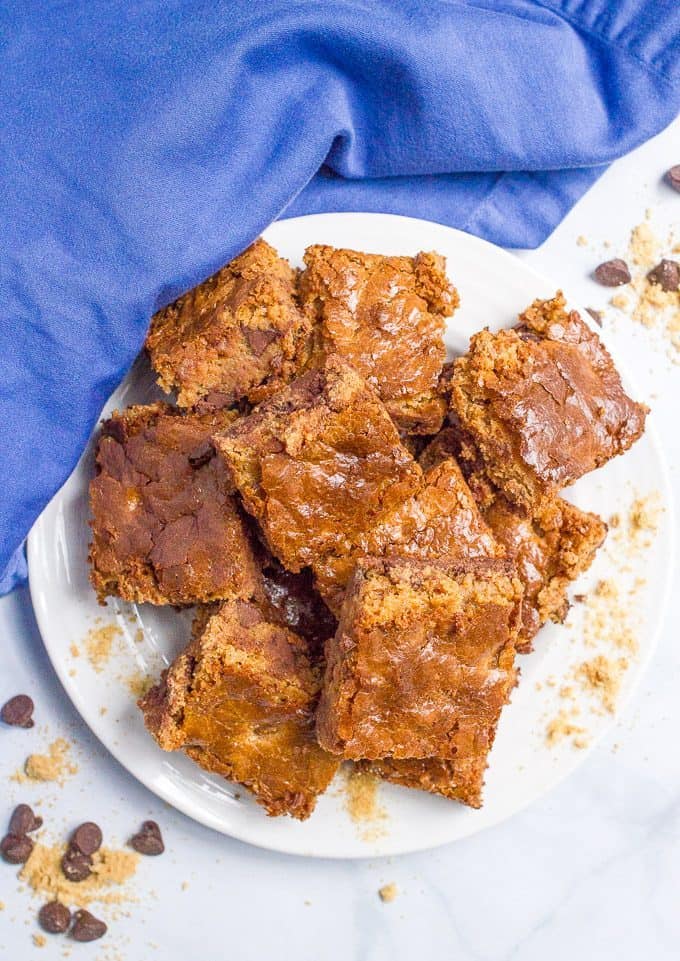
[543, 402]
[165, 526]
[423, 658]
[240, 701]
[385, 315]
[236, 334]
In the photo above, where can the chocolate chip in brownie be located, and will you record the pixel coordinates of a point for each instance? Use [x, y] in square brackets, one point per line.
[149, 840]
[18, 711]
[54, 917]
[23, 821]
[87, 838]
[666, 274]
[86, 927]
[612, 273]
[76, 866]
[673, 177]
[259, 340]
[16, 848]
[201, 455]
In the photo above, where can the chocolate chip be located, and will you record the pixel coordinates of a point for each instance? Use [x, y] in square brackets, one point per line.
[595, 314]
[673, 177]
[54, 917]
[76, 866]
[16, 848]
[23, 820]
[18, 711]
[87, 838]
[259, 340]
[201, 455]
[612, 273]
[149, 840]
[666, 274]
[115, 428]
[86, 927]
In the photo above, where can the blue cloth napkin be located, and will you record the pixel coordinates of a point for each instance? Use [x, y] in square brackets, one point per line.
[144, 144]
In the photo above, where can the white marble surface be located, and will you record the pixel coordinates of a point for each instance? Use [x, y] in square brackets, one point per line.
[591, 871]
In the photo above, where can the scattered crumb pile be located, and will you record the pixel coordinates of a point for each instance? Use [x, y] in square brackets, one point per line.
[139, 683]
[98, 644]
[56, 765]
[361, 803]
[110, 871]
[388, 892]
[645, 302]
[608, 626]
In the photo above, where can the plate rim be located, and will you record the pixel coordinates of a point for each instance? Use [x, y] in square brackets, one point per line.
[204, 816]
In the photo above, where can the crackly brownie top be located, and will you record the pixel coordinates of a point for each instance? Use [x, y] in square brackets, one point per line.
[240, 700]
[318, 463]
[385, 315]
[166, 528]
[422, 659]
[440, 520]
[233, 335]
[543, 401]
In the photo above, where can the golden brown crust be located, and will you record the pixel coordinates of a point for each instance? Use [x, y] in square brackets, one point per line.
[422, 663]
[543, 402]
[165, 527]
[550, 544]
[460, 779]
[240, 701]
[385, 316]
[238, 334]
[318, 463]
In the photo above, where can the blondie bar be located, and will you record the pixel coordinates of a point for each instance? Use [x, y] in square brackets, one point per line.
[165, 526]
[385, 315]
[238, 334]
[240, 701]
[422, 661]
[543, 402]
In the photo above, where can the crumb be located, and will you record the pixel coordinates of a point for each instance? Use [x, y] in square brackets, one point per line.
[563, 728]
[581, 241]
[110, 871]
[53, 766]
[361, 803]
[75, 650]
[388, 892]
[2, 905]
[602, 676]
[644, 246]
[39, 940]
[139, 635]
[138, 684]
[98, 644]
[620, 301]
[185, 885]
[103, 711]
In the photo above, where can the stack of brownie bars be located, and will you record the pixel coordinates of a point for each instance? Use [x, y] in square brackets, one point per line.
[369, 535]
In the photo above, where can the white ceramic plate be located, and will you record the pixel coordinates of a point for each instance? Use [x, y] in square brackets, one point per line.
[494, 286]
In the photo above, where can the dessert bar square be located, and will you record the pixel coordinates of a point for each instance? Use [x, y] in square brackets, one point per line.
[441, 520]
[317, 463]
[165, 526]
[550, 543]
[238, 334]
[240, 701]
[385, 315]
[543, 402]
[422, 661]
